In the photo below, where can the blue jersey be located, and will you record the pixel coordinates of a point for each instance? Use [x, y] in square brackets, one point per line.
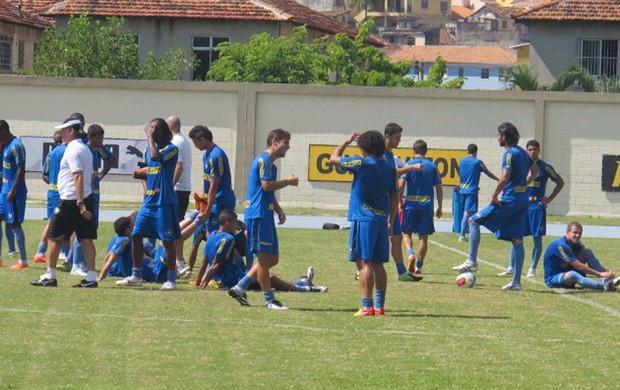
[517, 161]
[536, 188]
[221, 246]
[154, 270]
[121, 247]
[421, 184]
[258, 202]
[469, 172]
[99, 154]
[373, 182]
[216, 166]
[14, 154]
[159, 174]
[52, 166]
[558, 258]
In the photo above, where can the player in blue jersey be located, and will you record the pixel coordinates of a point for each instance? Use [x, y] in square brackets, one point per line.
[261, 204]
[567, 262]
[118, 260]
[393, 133]
[14, 190]
[158, 217]
[373, 205]
[470, 169]
[217, 182]
[422, 185]
[506, 216]
[536, 225]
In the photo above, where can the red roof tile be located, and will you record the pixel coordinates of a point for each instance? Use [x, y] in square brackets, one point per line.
[487, 55]
[460, 12]
[261, 10]
[583, 10]
[9, 13]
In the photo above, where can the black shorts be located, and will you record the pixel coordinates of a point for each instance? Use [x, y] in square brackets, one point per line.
[67, 219]
[183, 199]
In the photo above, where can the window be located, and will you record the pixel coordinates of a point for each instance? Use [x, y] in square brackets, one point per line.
[485, 73]
[599, 56]
[6, 44]
[204, 50]
[443, 6]
[424, 4]
[504, 25]
[20, 55]
[461, 72]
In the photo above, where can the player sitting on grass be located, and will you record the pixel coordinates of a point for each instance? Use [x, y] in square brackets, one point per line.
[567, 262]
[222, 261]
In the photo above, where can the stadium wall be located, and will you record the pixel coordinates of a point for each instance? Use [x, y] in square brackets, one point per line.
[575, 129]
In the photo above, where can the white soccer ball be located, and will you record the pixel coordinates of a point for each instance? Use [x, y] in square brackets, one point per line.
[466, 279]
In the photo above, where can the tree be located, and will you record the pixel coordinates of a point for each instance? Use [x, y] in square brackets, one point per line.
[523, 79]
[92, 48]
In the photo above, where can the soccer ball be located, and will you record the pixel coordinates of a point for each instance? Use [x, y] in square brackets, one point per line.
[466, 279]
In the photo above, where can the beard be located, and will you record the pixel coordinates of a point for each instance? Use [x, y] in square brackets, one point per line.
[502, 143]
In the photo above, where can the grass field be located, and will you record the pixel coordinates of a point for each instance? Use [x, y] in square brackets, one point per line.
[434, 335]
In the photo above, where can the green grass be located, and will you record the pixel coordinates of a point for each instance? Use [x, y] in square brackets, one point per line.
[434, 335]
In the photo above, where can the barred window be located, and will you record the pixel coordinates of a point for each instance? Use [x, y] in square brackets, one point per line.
[599, 56]
[6, 44]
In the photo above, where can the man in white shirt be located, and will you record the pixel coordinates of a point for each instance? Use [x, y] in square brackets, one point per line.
[182, 181]
[74, 212]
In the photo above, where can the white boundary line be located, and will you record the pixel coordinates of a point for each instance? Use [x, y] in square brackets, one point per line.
[560, 292]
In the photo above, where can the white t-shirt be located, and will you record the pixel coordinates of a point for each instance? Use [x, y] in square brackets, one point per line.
[185, 158]
[77, 158]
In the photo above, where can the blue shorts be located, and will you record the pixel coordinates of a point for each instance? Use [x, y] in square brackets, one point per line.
[470, 202]
[225, 202]
[506, 220]
[397, 226]
[200, 234]
[556, 281]
[14, 210]
[158, 222]
[52, 201]
[536, 225]
[369, 241]
[262, 236]
[419, 221]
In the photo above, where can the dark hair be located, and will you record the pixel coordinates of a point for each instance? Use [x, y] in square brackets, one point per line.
[573, 224]
[372, 143]
[94, 130]
[276, 135]
[162, 134]
[472, 148]
[200, 131]
[510, 133]
[533, 143]
[80, 116]
[121, 225]
[392, 128]
[227, 215]
[420, 147]
[4, 126]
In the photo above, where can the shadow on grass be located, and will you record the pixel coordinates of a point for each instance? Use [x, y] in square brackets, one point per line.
[405, 313]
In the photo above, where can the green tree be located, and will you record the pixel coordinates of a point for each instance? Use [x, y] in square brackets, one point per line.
[101, 49]
[522, 78]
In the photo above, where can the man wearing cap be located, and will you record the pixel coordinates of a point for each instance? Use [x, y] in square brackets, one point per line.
[74, 211]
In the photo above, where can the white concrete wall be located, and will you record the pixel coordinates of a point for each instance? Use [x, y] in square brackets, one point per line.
[575, 129]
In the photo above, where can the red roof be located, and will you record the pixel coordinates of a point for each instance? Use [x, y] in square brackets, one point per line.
[582, 10]
[9, 13]
[483, 55]
[460, 12]
[261, 10]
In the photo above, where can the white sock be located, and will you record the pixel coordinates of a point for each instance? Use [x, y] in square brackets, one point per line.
[51, 272]
[91, 276]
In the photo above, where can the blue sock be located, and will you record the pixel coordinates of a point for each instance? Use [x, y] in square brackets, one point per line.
[400, 268]
[419, 264]
[245, 282]
[379, 299]
[10, 239]
[301, 288]
[517, 254]
[136, 272]
[366, 303]
[584, 281]
[410, 252]
[474, 242]
[269, 296]
[464, 225]
[65, 248]
[42, 248]
[69, 256]
[171, 276]
[591, 260]
[78, 253]
[536, 252]
[21, 243]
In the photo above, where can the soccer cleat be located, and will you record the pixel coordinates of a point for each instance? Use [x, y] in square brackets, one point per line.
[13, 255]
[241, 297]
[168, 285]
[463, 239]
[466, 266]
[310, 275]
[417, 271]
[87, 284]
[214, 284]
[39, 259]
[608, 285]
[64, 267]
[409, 277]
[45, 281]
[201, 203]
[357, 275]
[62, 256]
[512, 286]
[130, 281]
[411, 263]
[275, 304]
[531, 273]
[78, 271]
[318, 288]
[184, 270]
[19, 265]
[507, 272]
[379, 312]
[185, 275]
[364, 312]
